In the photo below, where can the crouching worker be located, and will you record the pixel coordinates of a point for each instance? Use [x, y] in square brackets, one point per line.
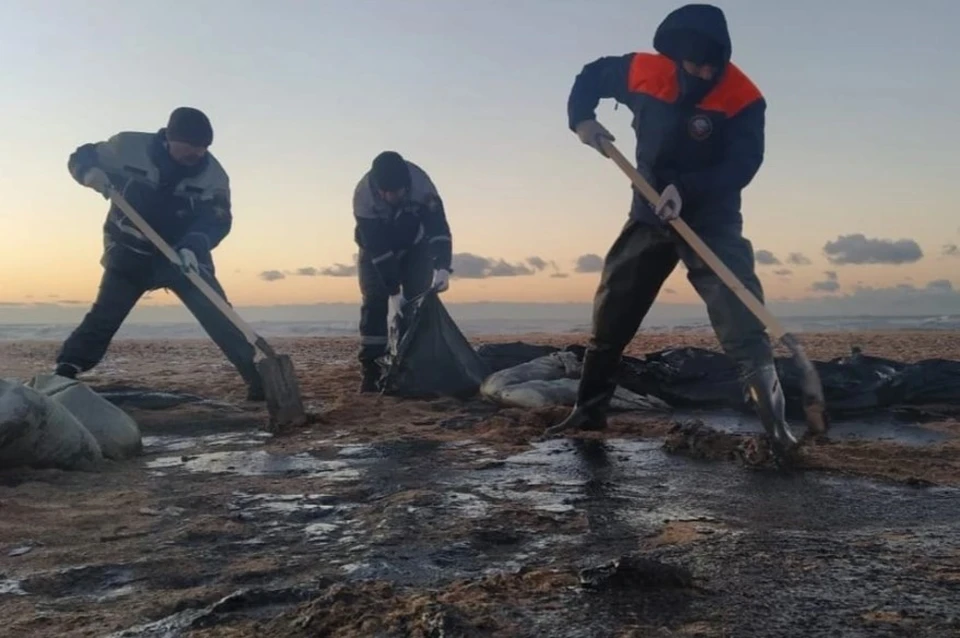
[699, 122]
[405, 247]
[183, 193]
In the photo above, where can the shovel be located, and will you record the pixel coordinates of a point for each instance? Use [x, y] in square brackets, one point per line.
[814, 405]
[282, 391]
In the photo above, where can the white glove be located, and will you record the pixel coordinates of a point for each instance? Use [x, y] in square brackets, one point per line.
[96, 179]
[668, 207]
[188, 260]
[395, 304]
[591, 132]
[441, 280]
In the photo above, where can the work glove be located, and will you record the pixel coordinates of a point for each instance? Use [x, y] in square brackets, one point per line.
[395, 305]
[441, 280]
[669, 204]
[188, 261]
[96, 179]
[591, 132]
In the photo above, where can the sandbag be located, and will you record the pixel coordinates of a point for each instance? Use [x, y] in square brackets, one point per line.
[38, 432]
[553, 381]
[115, 431]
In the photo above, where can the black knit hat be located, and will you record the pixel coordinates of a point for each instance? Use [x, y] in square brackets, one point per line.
[190, 125]
[390, 172]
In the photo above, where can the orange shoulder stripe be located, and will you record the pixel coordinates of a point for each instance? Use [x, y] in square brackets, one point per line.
[655, 75]
[734, 93]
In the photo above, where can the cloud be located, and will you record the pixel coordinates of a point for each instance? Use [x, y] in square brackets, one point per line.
[470, 266]
[589, 263]
[272, 275]
[937, 297]
[825, 286]
[858, 249]
[830, 284]
[798, 259]
[336, 270]
[766, 258]
[501, 268]
[339, 270]
[950, 250]
[783, 272]
[538, 263]
[940, 285]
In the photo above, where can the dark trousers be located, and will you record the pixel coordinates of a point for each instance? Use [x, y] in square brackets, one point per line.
[635, 268]
[120, 291]
[416, 277]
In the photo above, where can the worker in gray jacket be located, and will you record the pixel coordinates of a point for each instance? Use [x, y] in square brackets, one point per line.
[183, 193]
[405, 247]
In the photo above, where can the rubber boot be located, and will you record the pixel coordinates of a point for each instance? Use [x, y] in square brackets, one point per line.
[597, 386]
[763, 386]
[67, 370]
[369, 378]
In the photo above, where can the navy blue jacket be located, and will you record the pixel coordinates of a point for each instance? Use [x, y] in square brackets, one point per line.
[188, 206]
[385, 233]
[710, 143]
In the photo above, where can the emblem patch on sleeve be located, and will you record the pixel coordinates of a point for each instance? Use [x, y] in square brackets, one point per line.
[700, 127]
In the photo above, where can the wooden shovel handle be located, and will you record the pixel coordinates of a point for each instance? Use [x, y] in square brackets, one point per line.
[705, 253]
[192, 275]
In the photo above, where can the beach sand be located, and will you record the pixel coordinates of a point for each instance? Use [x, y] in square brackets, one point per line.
[411, 518]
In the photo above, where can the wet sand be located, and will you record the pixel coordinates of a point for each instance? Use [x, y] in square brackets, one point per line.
[437, 518]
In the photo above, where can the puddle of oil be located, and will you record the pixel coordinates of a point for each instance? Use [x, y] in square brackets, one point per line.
[466, 504]
[623, 490]
[157, 399]
[172, 443]
[320, 531]
[119, 592]
[283, 503]
[258, 463]
[11, 588]
[87, 583]
[875, 429]
[311, 515]
[352, 451]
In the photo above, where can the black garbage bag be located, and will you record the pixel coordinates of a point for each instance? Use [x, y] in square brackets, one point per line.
[927, 382]
[433, 358]
[685, 377]
[851, 385]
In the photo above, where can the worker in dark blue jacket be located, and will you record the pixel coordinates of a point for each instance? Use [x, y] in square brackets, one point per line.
[405, 247]
[699, 122]
[183, 193]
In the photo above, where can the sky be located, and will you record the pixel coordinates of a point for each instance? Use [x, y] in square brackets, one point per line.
[857, 198]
